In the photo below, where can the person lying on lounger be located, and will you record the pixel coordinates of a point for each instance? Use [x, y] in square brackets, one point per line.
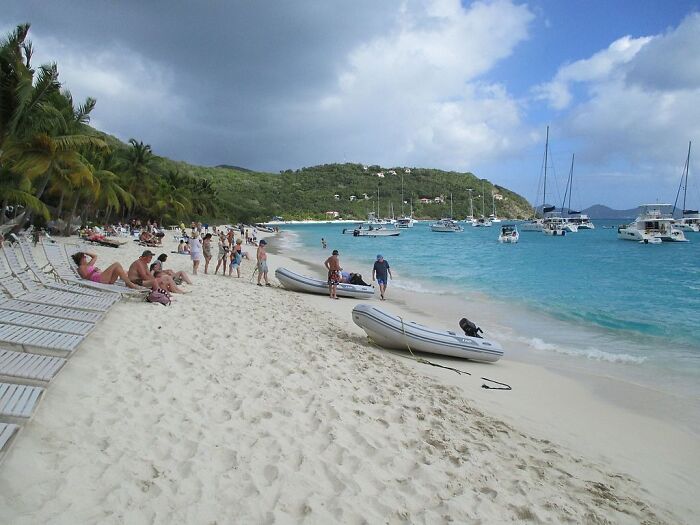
[87, 270]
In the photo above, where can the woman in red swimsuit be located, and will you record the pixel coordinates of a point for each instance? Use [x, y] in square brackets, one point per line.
[88, 270]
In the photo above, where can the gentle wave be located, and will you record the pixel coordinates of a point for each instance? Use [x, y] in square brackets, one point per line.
[589, 353]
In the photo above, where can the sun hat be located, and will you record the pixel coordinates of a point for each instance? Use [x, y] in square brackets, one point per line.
[335, 252]
[239, 241]
[379, 256]
[147, 253]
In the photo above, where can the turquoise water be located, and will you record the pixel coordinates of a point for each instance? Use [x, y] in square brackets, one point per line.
[587, 295]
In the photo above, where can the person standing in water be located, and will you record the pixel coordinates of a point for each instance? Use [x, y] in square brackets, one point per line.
[333, 266]
[323, 243]
[382, 272]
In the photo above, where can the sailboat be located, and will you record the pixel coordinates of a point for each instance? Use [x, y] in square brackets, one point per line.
[405, 221]
[576, 220]
[482, 222]
[470, 218]
[690, 221]
[537, 224]
[493, 217]
[446, 225]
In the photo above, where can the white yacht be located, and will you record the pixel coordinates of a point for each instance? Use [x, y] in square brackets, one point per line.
[493, 217]
[582, 221]
[369, 229]
[556, 221]
[481, 222]
[509, 234]
[446, 225]
[405, 221]
[553, 228]
[653, 225]
[534, 225]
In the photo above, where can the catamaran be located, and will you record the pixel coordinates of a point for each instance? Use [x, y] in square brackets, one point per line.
[690, 220]
[493, 217]
[653, 225]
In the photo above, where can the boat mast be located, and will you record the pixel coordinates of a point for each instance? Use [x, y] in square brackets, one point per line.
[471, 203]
[402, 213]
[483, 206]
[544, 190]
[569, 186]
[684, 183]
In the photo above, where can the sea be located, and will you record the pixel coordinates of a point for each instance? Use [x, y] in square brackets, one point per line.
[586, 301]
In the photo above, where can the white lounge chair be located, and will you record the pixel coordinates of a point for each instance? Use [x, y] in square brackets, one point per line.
[54, 324]
[19, 401]
[44, 278]
[20, 270]
[45, 341]
[32, 367]
[47, 310]
[57, 256]
[53, 297]
[8, 431]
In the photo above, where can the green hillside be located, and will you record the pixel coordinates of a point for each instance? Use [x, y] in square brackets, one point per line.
[53, 165]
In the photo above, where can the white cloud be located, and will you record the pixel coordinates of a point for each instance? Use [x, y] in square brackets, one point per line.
[635, 109]
[601, 67]
[413, 95]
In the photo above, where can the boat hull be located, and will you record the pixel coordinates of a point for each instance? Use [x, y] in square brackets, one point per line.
[300, 283]
[389, 331]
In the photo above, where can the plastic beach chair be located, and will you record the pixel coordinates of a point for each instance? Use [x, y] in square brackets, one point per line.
[65, 270]
[19, 401]
[55, 324]
[21, 270]
[29, 367]
[47, 310]
[8, 431]
[43, 341]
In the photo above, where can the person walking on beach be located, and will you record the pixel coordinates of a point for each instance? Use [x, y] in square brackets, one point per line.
[333, 266]
[206, 251]
[262, 263]
[222, 256]
[382, 272]
[195, 251]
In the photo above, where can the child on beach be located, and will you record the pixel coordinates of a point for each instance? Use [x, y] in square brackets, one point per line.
[236, 259]
[261, 257]
[333, 266]
[380, 271]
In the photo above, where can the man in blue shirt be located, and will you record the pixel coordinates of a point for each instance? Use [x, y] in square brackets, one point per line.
[382, 272]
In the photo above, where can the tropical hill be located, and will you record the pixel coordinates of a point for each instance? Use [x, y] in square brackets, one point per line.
[53, 165]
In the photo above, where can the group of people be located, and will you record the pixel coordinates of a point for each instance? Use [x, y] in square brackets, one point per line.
[381, 272]
[139, 276]
[230, 252]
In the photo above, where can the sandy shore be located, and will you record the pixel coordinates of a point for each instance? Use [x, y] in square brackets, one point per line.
[240, 404]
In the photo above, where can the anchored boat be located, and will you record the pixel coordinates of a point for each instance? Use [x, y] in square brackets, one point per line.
[300, 283]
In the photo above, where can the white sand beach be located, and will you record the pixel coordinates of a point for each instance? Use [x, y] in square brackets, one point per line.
[241, 404]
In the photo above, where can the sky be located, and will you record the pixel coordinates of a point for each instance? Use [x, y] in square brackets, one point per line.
[463, 86]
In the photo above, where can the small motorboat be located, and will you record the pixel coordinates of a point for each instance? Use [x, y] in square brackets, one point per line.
[300, 283]
[390, 331]
[509, 234]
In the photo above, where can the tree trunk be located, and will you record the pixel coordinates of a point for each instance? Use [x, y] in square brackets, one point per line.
[3, 218]
[70, 217]
[60, 203]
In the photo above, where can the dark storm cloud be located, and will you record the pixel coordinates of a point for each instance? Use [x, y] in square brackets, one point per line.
[239, 68]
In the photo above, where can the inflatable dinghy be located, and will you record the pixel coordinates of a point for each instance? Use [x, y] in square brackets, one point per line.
[388, 331]
[300, 283]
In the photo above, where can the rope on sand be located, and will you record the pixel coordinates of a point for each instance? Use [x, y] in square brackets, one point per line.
[504, 386]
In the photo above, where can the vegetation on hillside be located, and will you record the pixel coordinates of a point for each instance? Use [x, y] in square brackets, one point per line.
[54, 165]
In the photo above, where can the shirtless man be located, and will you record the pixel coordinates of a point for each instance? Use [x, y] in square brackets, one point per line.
[332, 264]
[138, 273]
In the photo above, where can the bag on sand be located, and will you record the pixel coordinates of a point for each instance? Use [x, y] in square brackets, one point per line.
[159, 296]
[470, 329]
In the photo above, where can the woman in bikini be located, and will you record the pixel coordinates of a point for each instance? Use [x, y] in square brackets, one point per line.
[87, 270]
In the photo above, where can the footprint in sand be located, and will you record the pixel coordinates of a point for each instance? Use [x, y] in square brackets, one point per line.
[270, 472]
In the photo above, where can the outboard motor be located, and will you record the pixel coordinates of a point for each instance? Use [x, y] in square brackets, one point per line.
[470, 329]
